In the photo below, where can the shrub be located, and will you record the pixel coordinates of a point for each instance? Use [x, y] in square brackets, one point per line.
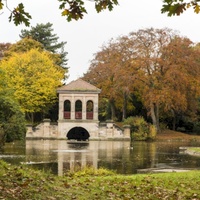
[140, 129]
[12, 119]
[196, 128]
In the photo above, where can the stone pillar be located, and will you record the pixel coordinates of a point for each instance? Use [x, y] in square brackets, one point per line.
[109, 128]
[29, 130]
[60, 164]
[46, 127]
[84, 106]
[61, 108]
[72, 108]
[127, 131]
[95, 109]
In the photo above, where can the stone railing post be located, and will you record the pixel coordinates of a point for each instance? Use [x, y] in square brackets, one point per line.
[127, 131]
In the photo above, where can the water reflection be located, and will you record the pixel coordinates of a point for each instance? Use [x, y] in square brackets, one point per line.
[123, 156]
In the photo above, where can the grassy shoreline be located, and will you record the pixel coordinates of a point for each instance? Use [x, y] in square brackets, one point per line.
[21, 182]
[176, 136]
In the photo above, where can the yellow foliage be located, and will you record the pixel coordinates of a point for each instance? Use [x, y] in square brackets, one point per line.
[34, 78]
[197, 9]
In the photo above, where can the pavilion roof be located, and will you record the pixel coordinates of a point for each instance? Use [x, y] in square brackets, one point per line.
[78, 85]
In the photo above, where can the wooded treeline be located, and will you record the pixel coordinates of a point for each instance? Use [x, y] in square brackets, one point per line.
[151, 72]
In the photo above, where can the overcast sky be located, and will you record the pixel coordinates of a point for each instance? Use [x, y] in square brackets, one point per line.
[86, 36]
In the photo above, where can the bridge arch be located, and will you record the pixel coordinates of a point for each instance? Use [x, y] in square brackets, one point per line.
[78, 133]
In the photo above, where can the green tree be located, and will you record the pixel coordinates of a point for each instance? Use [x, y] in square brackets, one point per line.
[12, 119]
[34, 78]
[43, 33]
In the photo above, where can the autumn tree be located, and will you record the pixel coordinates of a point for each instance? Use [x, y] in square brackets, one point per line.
[181, 83]
[164, 82]
[21, 46]
[34, 78]
[27, 44]
[109, 71]
[43, 33]
[156, 65]
[99, 75]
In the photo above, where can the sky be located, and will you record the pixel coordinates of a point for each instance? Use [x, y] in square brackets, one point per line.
[85, 37]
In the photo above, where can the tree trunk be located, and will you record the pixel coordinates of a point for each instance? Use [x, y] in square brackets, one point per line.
[124, 111]
[155, 120]
[30, 117]
[112, 106]
[157, 117]
[174, 121]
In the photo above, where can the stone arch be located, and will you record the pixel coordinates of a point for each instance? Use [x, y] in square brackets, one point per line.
[78, 109]
[67, 109]
[90, 109]
[78, 133]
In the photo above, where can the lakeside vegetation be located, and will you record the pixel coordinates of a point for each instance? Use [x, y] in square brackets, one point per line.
[21, 182]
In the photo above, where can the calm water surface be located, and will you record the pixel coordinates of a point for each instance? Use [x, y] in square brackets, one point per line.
[123, 156]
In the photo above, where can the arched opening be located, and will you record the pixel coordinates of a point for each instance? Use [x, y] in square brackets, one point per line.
[78, 109]
[78, 133]
[67, 109]
[89, 108]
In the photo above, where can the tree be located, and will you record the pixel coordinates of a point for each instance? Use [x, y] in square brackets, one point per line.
[34, 78]
[71, 9]
[26, 45]
[180, 61]
[176, 7]
[156, 65]
[43, 33]
[22, 46]
[109, 71]
[166, 70]
[12, 119]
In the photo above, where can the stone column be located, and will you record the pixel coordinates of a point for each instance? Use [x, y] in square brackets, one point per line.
[109, 128]
[95, 102]
[46, 127]
[72, 108]
[84, 108]
[61, 107]
[127, 131]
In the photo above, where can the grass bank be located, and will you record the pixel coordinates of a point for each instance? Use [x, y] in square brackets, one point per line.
[176, 136]
[20, 182]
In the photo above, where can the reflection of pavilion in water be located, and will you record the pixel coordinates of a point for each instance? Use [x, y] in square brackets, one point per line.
[77, 157]
[64, 155]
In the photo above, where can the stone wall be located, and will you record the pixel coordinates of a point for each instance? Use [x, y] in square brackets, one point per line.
[102, 131]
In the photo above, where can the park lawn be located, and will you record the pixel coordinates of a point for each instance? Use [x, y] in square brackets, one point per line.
[21, 182]
[195, 149]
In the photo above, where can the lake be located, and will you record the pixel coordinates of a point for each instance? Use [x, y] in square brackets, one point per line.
[124, 157]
